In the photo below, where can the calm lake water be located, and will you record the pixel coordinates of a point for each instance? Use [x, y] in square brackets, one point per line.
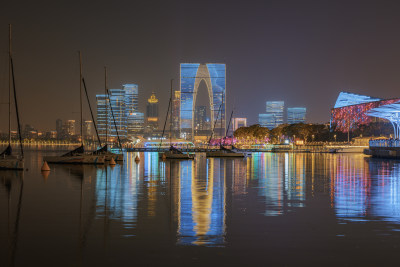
[271, 209]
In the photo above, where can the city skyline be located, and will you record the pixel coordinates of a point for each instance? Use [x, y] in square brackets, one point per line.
[297, 54]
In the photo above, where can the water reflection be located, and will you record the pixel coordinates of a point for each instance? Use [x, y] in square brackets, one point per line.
[12, 183]
[281, 179]
[201, 204]
[117, 190]
[367, 189]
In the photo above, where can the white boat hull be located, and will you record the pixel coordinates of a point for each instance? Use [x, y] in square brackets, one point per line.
[78, 159]
[11, 163]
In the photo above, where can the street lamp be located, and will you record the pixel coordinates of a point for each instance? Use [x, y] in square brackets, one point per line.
[313, 137]
[334, 137]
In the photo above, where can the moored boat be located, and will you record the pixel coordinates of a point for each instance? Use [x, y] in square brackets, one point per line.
[174, 153]
[8, 161]
[76, 156]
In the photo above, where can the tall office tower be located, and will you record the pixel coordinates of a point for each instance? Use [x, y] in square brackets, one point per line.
[59, 129]
[214, 76]
[131, 97]
[70, 127]
[273, 115]
[118, 108]
[176, 105]
[152, 113]
[88, 129]
[238, 122]
[102, 120]
[135, 122]
[296, 115]
[200, 118]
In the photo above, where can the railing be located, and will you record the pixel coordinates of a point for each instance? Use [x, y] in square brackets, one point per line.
[384, 143]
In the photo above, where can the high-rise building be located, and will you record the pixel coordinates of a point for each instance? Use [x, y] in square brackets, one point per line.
[119, 114]
[135, 123]
[273, 116]
[214, 76]
[152, 113]
[239, 122]
[296, 115]
[131, 97]
[176, 105]
[59, 129]
[88, 129]
[70, 127]
[102, 119]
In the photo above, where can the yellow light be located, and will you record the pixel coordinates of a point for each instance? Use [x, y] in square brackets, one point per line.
[152, 119]
[152, 99]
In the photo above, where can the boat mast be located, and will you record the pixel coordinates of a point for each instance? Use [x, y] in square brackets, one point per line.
[170, 118]
[105, 92]
[80, 93]
[9, 84]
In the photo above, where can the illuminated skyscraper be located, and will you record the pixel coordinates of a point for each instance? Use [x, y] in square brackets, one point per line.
[273, 115]
[152, 113]
[124, 107]
[70, 126]
[296, 115]
[102, 119]
[176, 105]
[118, 104]
[192, 74]
[135, 123]
[239, 122]
[88, 129]
[131, 98]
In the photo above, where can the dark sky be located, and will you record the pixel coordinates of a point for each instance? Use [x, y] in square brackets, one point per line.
[302, 52]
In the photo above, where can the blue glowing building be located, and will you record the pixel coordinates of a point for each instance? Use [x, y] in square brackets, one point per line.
[214, 76]
[273, 115]
[296, 115]
[124, 103]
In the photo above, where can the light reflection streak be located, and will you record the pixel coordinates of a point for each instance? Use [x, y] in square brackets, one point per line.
[117, 192]
[367, 189]
[281, 178]
[201, 203]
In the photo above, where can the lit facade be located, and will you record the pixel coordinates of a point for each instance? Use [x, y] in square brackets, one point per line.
[296, 115]
[176, 114]
[135, 122]
[239, 122]
[131, 98]
[273, 116]
[345, 118]
[117, 101]
[152, 113]
[214, 76]
[124, 107]
[70, 126]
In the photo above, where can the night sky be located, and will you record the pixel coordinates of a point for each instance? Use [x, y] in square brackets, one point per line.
[302, 52]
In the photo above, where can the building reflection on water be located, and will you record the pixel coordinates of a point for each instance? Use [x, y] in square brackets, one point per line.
[117, 190]
[201, 202]
[367, 189]
[192, 197]
[281, 179]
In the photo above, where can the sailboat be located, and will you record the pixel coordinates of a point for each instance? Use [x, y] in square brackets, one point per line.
[104, 149]
[7, 159]
[173, 152]
[223, 151]
[78, 155]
